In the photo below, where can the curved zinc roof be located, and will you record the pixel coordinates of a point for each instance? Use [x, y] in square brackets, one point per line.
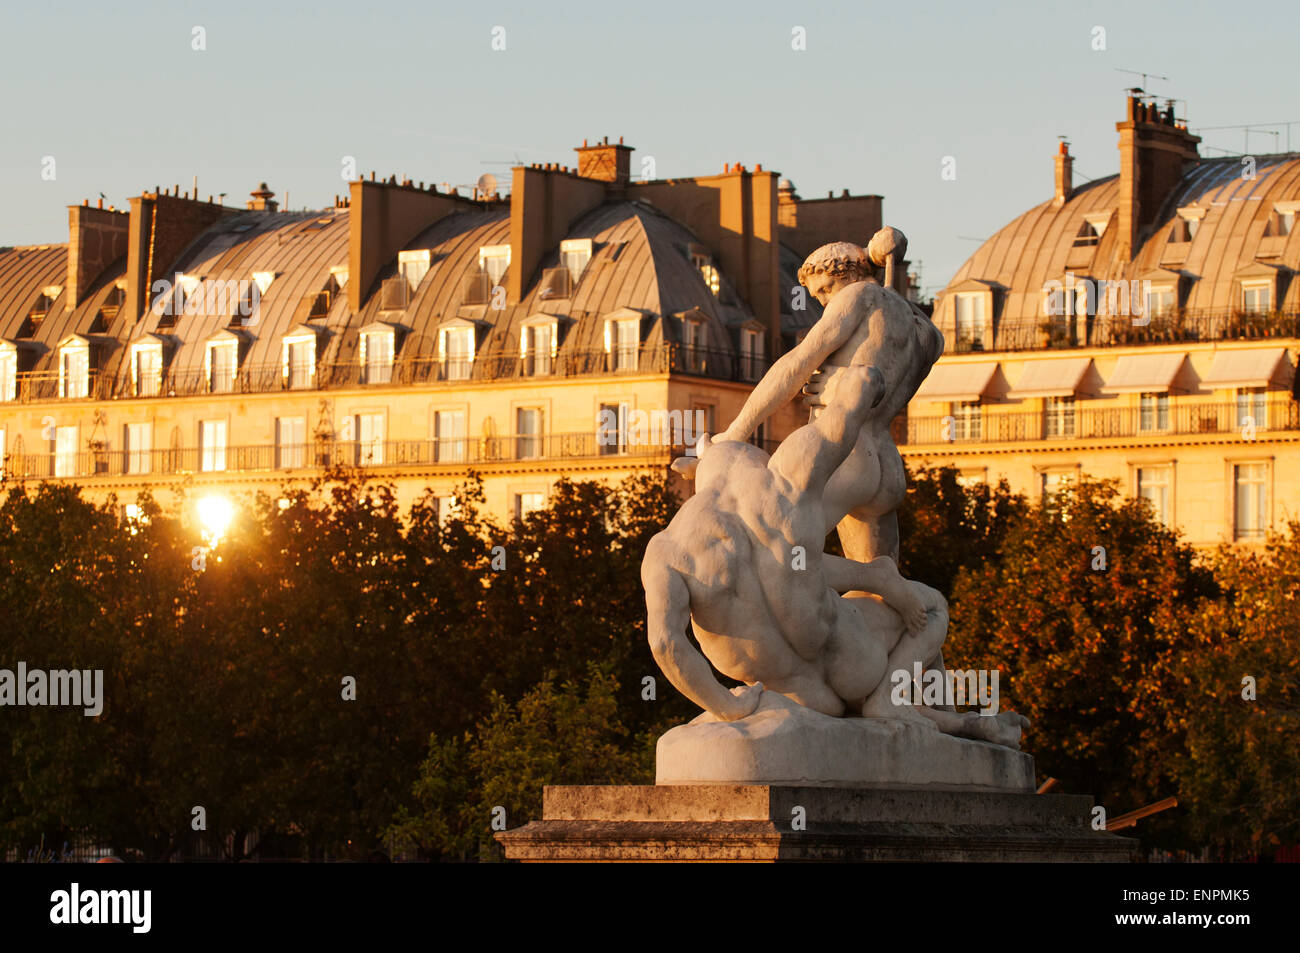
[1038, 246]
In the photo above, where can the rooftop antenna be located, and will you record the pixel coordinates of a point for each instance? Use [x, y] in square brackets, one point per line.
[1134, 72]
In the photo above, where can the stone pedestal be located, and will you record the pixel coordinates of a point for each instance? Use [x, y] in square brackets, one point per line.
[783, 743]
[766, 823]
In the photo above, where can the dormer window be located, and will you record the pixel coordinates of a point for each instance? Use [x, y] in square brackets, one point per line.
[575, 253]
[221, 363]
[146, 367]
[493, 260]
[694, 342]
[8, 371]
[1280, 223]
[1186, 223]
[413, 266]
[703, 261]
[970, 321]
[456, 352]
[538, 344]
[751, 354]
[1087, 236]
[113, 303]
[298, 360]
[40, 308]
[74, 368]
[377, 349]
[1256, 296]
[623, 342]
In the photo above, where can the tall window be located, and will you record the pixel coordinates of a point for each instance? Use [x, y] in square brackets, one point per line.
[1058, 416]
[708, 271]
[1153, 412]
[1155, 484]
[74, 370]
[526, 503]
[449, 432]
[290, 442]
[377, 357]
[65, 452]
[494, 260]
[1160, 301]
[212, 445]
[693, 337]
[447, 509]
[1051, 482]
[8, 372]
[370, 439]
[139, 448]
[966, 420]
[622, 343]
[751, 354]
[300, 362]
[970, 322]
[1250, 493]
[456, 348]
[146, 369]
[222, 358]
[575, 253]
[538, 346]
[1255, 298]
[528, 430]
[413, 266]
[612, 428]
[1252, 407]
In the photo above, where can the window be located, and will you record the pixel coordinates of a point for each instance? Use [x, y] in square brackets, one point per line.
[1279, 223]
[65, 452]
[8, 372]
[3, 451]
[1184, 229]
[623, 342]
[526, 503]
[1058, 416]
[447, 509]
[694, 335]
[220, 362]
[751, 354]
[1255, 297]
[612, 428]
[539, 347]
[1252, 407]
[575, 253]
[1160, 301]
[74, 370]
[1087, 236]
[413, 266]
[300, 362]
[146, 369]
[290, 442]
[456, 353]
[1155, 485]
[710, 417]
[1153, 412]
[493, 260]
[1051, 482]
[970, 322]
[139, 448]
[708, 271]
[1250, 500]
[377, 357]
[449, 432]
[212, 444]
[370, 439]
[967, 419]
[528, 430]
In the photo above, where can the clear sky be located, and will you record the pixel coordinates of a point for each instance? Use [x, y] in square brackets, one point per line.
[882, 93]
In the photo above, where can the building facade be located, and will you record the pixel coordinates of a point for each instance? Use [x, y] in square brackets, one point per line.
[1143, 327]
[585, 324]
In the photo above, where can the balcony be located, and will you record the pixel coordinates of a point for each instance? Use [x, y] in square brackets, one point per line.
[1102, 423]
[1106, 330]
[453, 454]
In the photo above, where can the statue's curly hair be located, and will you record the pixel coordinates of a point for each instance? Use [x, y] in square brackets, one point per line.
[837, 260]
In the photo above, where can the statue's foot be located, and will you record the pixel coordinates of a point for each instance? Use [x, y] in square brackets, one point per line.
[1005, 728]
[881, 705]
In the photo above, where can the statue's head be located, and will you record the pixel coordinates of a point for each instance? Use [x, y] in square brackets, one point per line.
[833, 267]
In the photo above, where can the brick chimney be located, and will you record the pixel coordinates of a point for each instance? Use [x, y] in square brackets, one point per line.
[97, 237]
[262, 199]
[161, 226]
[605, 161]
[1064, 175]
[1155, 151]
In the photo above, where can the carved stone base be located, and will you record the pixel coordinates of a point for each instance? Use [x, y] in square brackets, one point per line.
[785, 743]
[762, 823]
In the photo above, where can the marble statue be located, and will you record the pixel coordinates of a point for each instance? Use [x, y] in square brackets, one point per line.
[742, 561]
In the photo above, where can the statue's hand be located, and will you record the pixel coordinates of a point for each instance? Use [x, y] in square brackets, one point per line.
[812, 391]
[686, 466]
[745, 702]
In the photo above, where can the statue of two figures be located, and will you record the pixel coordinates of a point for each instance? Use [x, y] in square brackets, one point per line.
[742, 561]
